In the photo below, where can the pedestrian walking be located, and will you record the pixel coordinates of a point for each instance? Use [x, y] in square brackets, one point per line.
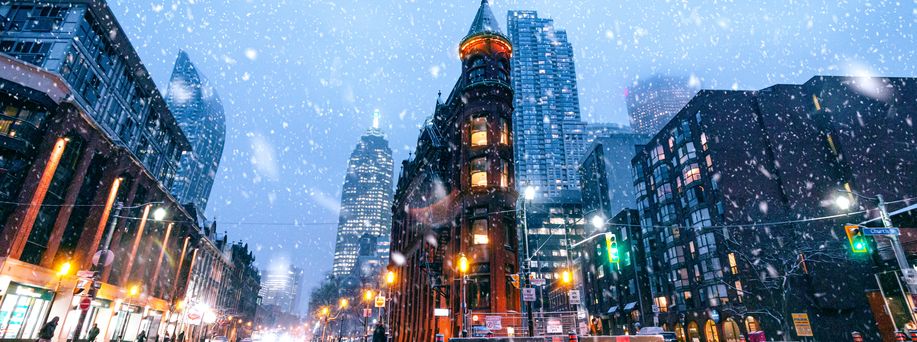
[167, 338]
[141, 337]
[47, 331]
[181, 337]
[379, 333]
[93, 333]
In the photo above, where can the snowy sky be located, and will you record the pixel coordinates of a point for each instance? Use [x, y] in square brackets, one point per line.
[300, 78]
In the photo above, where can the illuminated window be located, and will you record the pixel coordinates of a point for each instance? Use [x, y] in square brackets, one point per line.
[479, 232]
[691, 173]
[732, 264]
[504, 132]
[662, 303]
[739, 290]
[703, 140]
[479, 172]
[479, 132]
[504, 174]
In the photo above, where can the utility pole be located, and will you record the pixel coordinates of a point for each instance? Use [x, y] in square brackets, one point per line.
[103, 257]
[527, 261]
[910, 278]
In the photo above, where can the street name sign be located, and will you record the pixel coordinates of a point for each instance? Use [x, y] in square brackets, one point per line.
[881, 231]
[528, 294]
[802, 324]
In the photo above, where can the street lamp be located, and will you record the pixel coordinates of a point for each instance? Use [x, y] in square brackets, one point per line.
[159, 214]
[598, 222]
[463, 269]
[342, 305]
[844, 203]
[528, 196]
[367, 298]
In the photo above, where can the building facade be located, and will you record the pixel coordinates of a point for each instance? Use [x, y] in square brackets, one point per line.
[652, 102]
[734, 197]
[281, 288]
[366, 201]
[83, 43]
[616, 288]
[456, 197]
[549, 134]
[553, 225]
[70, 189]
[199, 112]
[605, 173]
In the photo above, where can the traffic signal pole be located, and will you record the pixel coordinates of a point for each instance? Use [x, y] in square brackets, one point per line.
[525, 267]
[910, 276]
[103, 256]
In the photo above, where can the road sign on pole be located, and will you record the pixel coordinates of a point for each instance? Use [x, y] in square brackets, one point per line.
[881, 231]
[528, 294]
[574, 297]
[380, 302]
[85, 303]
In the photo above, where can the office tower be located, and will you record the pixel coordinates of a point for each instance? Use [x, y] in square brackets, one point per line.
[281, 288]
[548, 131]
[455, 197]
[652, 102]
[197, 108]
[602, 129]
[366, 199]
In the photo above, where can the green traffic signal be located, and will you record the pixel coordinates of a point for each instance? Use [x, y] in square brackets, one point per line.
[859, 246]
[611, 244]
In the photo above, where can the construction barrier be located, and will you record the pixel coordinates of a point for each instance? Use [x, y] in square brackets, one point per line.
[631, 338]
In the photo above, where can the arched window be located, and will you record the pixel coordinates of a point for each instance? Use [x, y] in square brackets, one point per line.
[710, 332]
[693, 332]
[479, 172]
[479, 131]
[752, 324]
[731, 331]
[680, 332]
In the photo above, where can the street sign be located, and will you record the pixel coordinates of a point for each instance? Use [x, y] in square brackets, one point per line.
[86, 274]
[493, 322]
[440, 312]
[574, 297]
[802, 324]
[528, 294]
[715, 316]
[554, 326]
[109, 258]
[655, 308]
[85, 303]
[380, 302]
[538, 282]
[881, 231]
[367, 312]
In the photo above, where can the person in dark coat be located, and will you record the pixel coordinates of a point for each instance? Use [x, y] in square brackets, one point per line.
[93, 333]
[379, 333]
[47, 331]
[181, 337]
[141, 337]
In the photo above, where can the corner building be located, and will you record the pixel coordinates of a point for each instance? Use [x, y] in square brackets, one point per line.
[457, 196]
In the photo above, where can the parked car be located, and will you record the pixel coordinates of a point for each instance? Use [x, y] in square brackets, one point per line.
[668, 336]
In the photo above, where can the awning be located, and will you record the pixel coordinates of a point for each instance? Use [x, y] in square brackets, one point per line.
[630, 306]
[612, 309]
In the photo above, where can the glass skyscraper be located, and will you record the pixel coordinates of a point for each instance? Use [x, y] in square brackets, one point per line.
[366, 200]
[652, 102]
[199, 112]
[550, 136]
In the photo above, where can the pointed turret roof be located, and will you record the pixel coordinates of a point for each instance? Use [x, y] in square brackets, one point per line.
[484, 21]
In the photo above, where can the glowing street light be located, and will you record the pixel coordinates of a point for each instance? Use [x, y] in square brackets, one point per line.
[598, 222]
[463, 264]
[134, 290]
[843, 202]
[529, 193]
[343, 303]
[325, 311]
[390, 277]
[565, 277]
[64, 269]
[368, 295]
[159, 214]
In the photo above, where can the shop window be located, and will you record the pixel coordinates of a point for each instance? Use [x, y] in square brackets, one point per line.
[479, 291]
[711, 332]
[23, 311]
[662, 302]
[479, 232]
[479, 172]
[478, 132]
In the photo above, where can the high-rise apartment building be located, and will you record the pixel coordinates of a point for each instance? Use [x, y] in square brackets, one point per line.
[281, 288]
[735, 197]
[603, 129]
[548, 130]
[197, 108]
[652, 102]
[366, 200]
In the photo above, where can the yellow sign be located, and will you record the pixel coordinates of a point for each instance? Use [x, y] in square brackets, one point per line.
[802, 324]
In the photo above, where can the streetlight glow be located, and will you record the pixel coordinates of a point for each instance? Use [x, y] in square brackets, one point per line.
[64, 269]
[529, 193]
[843, 202]
[565, 277]
[159, 214]
[463, 264]
[368, 295]
[134, 290]
[343, 303]
[390, 277]
[598, 222]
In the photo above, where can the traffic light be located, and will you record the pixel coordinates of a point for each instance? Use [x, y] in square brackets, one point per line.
[857, 239]
[611, 245]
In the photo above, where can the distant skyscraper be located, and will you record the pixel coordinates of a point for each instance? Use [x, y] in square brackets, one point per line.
[601, 130]
[548, 131]
[366, 200]
[281, 288]
[652, 102]
[199, 113]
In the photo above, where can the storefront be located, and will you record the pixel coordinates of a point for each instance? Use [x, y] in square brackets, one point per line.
[150, 324]
[23, 310]
[126, 324]
[99, 313]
